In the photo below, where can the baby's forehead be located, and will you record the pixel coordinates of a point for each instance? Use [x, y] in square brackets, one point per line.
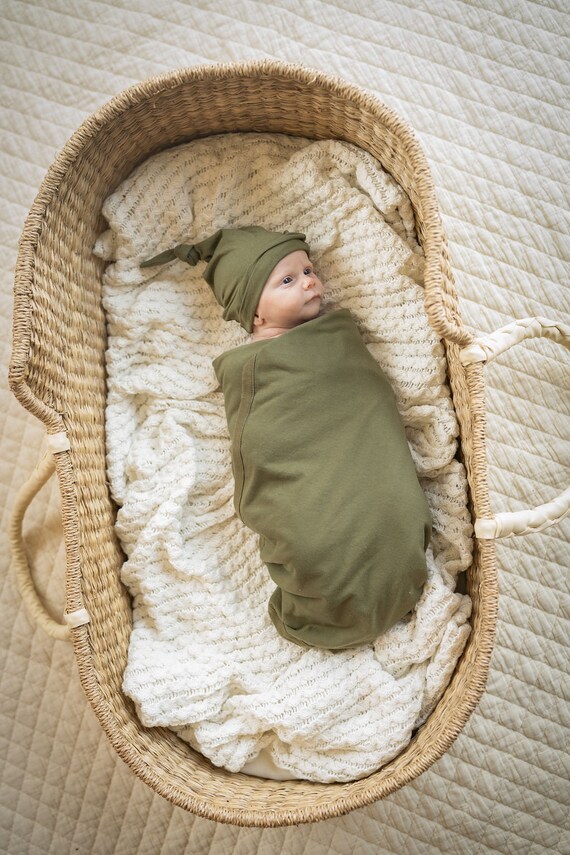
[298, 256]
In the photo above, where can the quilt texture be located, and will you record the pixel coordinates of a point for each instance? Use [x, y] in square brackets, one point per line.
[484, 84]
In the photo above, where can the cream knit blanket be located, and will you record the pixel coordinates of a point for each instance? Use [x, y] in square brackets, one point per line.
[204, 657]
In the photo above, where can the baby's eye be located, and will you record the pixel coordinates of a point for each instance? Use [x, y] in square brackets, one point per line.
[307, 270]
[287, 280]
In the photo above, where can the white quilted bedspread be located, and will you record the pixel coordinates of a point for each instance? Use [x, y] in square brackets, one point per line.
[485, 85]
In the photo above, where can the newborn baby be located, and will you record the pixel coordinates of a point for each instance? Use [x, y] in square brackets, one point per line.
[322, 468]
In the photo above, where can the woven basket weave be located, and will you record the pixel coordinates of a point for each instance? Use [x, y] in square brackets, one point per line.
[58, 373]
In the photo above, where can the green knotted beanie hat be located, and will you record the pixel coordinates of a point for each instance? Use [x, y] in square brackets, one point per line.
[239, 264]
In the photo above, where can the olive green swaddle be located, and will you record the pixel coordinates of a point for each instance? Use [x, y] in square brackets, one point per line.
[324, 474]
[322, 468]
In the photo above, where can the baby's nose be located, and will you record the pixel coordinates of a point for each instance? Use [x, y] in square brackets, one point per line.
[309, 279]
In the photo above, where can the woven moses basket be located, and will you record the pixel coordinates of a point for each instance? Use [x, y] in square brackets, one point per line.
[58, 374]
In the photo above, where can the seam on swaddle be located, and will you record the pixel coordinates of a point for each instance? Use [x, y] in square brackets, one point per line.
[247, 396]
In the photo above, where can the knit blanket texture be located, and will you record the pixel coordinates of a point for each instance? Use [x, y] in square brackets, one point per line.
[204, 658]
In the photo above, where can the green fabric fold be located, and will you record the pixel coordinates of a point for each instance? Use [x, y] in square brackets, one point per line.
[324, 474]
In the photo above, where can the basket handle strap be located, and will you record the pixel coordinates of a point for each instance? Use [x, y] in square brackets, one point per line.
[485, 350]
[24, 577]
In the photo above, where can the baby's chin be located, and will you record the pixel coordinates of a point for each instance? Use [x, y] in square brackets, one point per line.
[311, 310]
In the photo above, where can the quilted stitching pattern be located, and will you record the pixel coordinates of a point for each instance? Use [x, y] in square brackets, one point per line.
[483, 85]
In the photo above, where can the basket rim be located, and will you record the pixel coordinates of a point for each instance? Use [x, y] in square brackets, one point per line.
[24, 274]
[338, 806]
[153, 86]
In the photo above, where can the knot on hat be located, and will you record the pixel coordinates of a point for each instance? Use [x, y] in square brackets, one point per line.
[184, 251]
[239, 264]
[188, 253]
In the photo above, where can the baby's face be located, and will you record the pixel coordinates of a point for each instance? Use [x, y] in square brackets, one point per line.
[291, 296]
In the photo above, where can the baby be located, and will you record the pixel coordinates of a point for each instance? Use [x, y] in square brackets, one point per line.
[291, 296]
[322, 468]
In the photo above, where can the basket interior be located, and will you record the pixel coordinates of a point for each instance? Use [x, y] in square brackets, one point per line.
[65, 370]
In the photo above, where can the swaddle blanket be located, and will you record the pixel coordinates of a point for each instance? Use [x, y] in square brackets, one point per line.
[204, 657]
[324, 474]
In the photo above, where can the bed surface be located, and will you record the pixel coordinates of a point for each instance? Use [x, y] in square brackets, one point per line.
[483, 84]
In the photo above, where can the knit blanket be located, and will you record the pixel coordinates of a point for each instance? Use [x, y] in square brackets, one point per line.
[204, 658]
